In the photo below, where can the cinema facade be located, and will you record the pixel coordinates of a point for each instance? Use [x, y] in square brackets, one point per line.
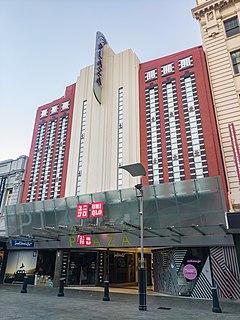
[186, 243]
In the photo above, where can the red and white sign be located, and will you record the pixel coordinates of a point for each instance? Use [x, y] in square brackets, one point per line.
[82, 211]
[96, 210]
[83, 240]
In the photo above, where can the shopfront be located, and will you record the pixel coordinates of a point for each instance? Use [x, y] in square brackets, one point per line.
[184, 230]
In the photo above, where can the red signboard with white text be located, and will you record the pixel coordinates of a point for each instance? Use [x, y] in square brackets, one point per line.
[83, 240]
[82, 211]
[96, 209]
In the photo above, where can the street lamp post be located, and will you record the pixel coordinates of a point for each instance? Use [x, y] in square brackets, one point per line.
[138, 170]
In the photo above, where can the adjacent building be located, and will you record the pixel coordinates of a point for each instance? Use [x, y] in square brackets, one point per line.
[220, 27]
[12, 176]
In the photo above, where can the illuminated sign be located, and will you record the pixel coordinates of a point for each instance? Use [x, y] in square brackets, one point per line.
[82, 211]
[83, 240]
[97, 80]
[96, 209]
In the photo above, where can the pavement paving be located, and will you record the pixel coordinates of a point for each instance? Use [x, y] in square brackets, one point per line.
[42, 302]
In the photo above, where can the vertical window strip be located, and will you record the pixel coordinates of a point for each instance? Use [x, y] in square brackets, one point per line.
[82, 136]
[59, 158]
[155, 170]
[120, 137]
[195, 141]
[173, 133]
[47, 161]
[36, 162]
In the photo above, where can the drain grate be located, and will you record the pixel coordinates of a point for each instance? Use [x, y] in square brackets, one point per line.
[164, 308]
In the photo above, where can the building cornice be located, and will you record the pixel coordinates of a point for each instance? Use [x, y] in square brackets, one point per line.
[200, 10]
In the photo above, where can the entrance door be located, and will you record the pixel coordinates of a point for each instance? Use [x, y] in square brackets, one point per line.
[82, 268]
[121, 267]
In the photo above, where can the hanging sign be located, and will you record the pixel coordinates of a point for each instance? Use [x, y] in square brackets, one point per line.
[96, 210]
[82, 211]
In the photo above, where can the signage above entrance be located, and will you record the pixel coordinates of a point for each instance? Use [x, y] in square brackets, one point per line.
[21, 243]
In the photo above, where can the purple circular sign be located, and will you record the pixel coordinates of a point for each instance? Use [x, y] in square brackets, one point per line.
[189, 272]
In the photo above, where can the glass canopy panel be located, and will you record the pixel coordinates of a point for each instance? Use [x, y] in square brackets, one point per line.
[181, 204]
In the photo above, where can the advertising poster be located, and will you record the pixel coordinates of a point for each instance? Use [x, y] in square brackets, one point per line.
[20, 264]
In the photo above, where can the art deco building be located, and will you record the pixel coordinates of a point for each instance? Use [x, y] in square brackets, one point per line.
[105, 135]
[219, 23]
[48, 158]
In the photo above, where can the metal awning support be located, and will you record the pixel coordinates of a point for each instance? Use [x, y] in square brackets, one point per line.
[172, 229]
[66, 230]
[53, 230]
[153, 232]
[131, 225]
[196, 227]
[223, 227]
[46, 237]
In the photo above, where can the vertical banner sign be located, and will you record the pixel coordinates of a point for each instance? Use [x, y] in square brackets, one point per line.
[82, 211]
[97, 80]
[235, 148]
[96, 210]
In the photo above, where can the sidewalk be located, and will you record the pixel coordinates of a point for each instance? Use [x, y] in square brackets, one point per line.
[43, 303]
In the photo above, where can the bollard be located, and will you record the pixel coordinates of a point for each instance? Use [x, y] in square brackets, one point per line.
[61, 288]
[142, 289]
[25, 283]
[106, 291]
[216, 308]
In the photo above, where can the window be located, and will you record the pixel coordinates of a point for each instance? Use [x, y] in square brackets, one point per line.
[8, 197]
[236, 61]
[185, 63]
[231, 26]
[167, 69]
[151, 75]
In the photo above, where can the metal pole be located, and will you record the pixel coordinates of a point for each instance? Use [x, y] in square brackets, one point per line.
[106, 282]
[216, 307]
[142, 286]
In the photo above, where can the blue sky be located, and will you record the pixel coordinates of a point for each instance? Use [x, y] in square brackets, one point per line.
[45, 43]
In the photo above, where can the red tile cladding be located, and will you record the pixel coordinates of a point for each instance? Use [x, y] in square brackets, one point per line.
[209, 127]
[69, 95]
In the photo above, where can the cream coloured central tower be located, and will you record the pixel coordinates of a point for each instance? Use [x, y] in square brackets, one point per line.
[105, 136]
[219, 22]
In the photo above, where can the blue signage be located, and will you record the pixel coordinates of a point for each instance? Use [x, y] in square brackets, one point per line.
[20, 243]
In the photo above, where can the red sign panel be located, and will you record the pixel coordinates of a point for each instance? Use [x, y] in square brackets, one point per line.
[82, 211]
[83, 240]
[96, 209]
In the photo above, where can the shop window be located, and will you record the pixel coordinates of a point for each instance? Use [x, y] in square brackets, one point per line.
[231, 26]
